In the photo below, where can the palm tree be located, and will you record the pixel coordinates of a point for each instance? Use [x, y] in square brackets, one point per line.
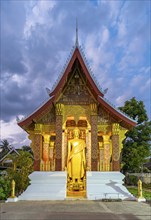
[5, 145]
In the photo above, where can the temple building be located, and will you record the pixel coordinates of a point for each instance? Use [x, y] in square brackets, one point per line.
[77, 101]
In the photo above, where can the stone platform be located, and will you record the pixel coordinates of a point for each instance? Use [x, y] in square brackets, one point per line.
[99, 185]
[46, 186]
[107, 185]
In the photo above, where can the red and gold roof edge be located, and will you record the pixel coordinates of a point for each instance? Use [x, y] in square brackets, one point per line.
[61, 83]
[25, 122]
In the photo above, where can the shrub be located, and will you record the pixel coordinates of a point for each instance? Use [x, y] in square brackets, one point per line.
[131, 180]
[5, 187]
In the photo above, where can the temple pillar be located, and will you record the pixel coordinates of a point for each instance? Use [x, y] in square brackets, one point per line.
[64, 149]
[94, 137]
[58, 161]
[106, 144]
[51, 155]
[88, 150]
[101, 156]
[115, 147]
[36, 146]
[46, 162]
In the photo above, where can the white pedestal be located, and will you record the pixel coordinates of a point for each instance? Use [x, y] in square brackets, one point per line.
[46, 186]
[107, 185]
[12, 199]
[141, 200]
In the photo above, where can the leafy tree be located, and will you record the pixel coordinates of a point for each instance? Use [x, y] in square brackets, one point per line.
[27, 148]
[136, 146]
[5, 187]
[5, 146]
[22, 166]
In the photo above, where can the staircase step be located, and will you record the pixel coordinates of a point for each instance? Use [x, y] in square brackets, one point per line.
[107, 185]
[46, 186]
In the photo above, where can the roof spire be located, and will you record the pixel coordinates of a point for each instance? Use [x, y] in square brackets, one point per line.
[77, 42]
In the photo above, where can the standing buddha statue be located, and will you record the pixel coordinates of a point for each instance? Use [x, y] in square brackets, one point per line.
[76, 162]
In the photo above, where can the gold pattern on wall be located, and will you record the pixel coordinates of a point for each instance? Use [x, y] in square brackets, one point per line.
[59, 109]
[93, 108]
[48, 117]
[75, 91]
[104, 129]
[115, 128]
[103, 116]
[106, 143]
[44, 128]
[77, 111]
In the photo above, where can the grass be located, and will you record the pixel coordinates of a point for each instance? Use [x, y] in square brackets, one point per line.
[134, 191]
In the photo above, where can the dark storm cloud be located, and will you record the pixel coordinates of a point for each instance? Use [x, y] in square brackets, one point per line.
[12, 20]
[32, 60]
[37, 37]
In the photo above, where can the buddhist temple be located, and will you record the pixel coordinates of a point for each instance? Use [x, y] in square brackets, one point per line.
[77, 102]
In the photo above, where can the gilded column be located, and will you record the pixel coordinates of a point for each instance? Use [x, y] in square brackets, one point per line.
[46, 152]
[88, 150]
[106, 143]
[63, 150]
[115, 147]
[51, 153]
[101, 156]
[59, 112]
[94, 137]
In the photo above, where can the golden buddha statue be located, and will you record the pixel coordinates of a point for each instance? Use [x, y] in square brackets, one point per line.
[76, 162]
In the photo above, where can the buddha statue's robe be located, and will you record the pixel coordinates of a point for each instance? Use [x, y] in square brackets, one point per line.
[76, 159]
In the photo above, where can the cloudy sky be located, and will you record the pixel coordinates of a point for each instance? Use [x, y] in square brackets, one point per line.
[37, 37]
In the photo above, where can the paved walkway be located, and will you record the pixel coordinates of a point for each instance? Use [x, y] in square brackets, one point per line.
[75, 210]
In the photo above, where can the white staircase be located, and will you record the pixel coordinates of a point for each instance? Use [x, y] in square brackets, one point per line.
[46, 186]
[52, 186]
[107, 185]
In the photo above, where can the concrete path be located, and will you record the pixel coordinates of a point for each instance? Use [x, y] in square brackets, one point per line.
[75, 210]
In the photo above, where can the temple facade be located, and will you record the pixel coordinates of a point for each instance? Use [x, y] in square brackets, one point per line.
[77, 101]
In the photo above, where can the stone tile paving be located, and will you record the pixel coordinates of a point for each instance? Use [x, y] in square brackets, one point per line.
[75, 210]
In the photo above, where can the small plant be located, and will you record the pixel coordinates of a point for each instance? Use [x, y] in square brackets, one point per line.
[5, 187]
[21, 168]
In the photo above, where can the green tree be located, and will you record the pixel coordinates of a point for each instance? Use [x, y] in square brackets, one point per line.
[27, 148]
[5, 145]
[5, 187]
[136, 146]
[4, 148]
[22, 166]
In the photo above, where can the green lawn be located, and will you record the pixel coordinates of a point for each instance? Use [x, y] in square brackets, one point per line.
[134, 191]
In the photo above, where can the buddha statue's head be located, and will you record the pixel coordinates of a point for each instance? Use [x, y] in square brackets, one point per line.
[76, 132]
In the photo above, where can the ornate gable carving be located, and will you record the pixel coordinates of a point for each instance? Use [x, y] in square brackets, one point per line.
[76, 91]
[104, 117]
[48, 117]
